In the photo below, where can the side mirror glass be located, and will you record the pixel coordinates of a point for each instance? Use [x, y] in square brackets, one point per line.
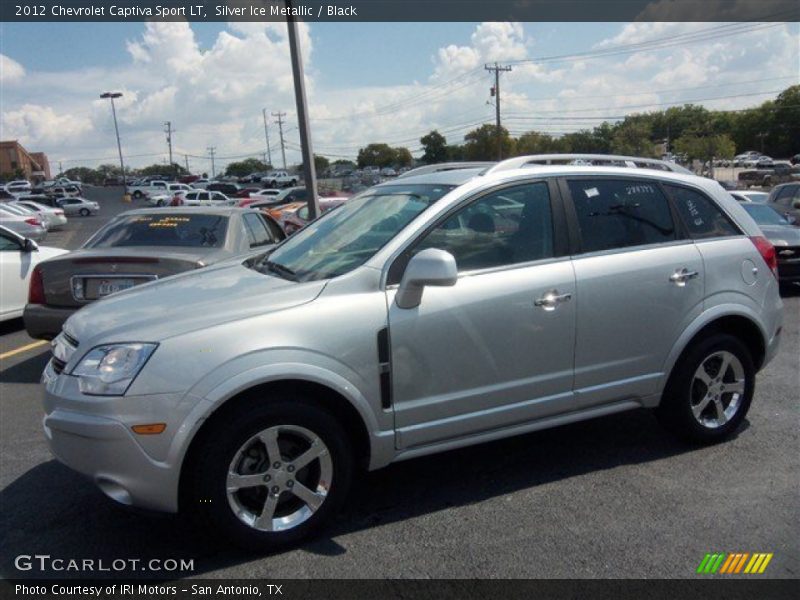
[430, 267]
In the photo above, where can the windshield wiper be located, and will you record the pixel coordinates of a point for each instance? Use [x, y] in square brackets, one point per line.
[279, 269]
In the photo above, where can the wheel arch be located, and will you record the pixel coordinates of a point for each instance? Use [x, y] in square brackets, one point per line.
[320, 394]
[737, 323]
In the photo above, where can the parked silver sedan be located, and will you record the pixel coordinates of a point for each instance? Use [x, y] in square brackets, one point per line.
[78, 206]
[29, 226]
[54, 218]
[141, 246]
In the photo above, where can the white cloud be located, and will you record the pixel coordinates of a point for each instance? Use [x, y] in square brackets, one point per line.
[10, 70]
[214, 93]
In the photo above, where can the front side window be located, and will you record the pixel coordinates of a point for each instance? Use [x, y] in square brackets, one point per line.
[703, 218]
[784, 197]
[169, 229]
[509, 226]
[8, 243]
[620, 213]
[346, 238]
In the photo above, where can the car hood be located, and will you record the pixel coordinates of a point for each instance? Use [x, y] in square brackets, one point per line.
[785, 233]
[188, 302]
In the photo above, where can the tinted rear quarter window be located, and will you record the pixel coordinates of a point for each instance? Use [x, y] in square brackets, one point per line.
[620, 213]
[701, 216]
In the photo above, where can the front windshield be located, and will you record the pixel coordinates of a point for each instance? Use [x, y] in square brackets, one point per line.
[765, 215]
[347, 237]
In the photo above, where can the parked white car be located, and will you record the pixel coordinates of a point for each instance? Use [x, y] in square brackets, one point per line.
[152, 188]
[279, 179]
[18, 257]
[165, 197]
[200, 184]
[203, 198]
[20, 186]
[54, 218]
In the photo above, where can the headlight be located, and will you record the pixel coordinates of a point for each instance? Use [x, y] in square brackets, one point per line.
[109, 370]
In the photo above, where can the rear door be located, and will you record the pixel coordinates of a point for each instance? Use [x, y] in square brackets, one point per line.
[15, 267]
[639, 282]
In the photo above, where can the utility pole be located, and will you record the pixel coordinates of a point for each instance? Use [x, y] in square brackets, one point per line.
[168, 131]
[60, 168]
[309, 171]
[111, 96]
[211, 150]
[280, 116]
[497, 68]
[186, 160]
[266, 135]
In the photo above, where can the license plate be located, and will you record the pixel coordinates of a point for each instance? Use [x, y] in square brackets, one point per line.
[111, 286]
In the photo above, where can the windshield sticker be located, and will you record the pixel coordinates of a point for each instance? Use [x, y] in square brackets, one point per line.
[591, 192]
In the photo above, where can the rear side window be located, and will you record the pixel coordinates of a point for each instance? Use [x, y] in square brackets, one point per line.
[619, 213]
[785, 194]
[257, 231]
[702, 217]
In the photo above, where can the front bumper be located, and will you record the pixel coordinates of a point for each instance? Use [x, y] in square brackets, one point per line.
[45, 322]
[105, 449]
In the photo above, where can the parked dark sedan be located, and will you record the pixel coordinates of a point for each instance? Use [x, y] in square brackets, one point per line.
[140, 246]
[783, 235]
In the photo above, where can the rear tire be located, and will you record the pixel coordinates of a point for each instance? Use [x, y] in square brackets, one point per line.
[709, 391]
[137, 194]
[251, 484]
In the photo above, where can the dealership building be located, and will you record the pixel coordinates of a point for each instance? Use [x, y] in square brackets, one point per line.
[13, 156]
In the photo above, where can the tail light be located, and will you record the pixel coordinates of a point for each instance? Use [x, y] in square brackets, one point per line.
[767, 252]
[36, 288]
[33, 221]
[60, 213]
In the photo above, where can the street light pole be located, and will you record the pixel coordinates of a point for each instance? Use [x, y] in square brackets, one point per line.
[111, 96]
[309, 170]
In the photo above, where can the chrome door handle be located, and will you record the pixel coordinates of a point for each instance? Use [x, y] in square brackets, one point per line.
[551, 300]
[681, 276]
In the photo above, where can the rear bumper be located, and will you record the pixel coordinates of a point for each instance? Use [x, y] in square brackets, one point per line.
[45, 322]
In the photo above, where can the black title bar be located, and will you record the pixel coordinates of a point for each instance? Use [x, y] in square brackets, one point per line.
[398, 10]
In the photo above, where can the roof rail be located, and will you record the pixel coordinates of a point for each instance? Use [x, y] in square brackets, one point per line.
[447, 166]
[612, 160]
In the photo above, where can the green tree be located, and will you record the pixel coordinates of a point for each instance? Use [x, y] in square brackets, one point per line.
[534, 142]
[481, 143]
[84, 174]
[402, 157]
[705, 147]
[435, 146]
[634, 138]
[245, 167]
[376, 155]
[321, 163]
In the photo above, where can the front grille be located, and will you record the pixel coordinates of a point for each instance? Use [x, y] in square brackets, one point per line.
[58, 365]
[63, 347]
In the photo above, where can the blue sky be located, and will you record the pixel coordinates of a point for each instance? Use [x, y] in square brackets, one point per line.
[367, 82]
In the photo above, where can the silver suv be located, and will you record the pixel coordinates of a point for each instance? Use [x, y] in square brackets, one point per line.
[429, 313]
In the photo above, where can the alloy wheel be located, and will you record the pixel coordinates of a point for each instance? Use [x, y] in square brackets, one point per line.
[279, 478]
[717, 389]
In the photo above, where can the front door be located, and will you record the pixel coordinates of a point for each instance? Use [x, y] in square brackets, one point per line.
[496, 349]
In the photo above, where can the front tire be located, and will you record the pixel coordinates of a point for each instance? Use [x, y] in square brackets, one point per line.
[709, 391]
[137, 194]
[272, 474]
[84, 212]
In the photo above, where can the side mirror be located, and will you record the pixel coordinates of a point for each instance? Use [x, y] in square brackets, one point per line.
[429, 267]
[29, 245]
[796, 204]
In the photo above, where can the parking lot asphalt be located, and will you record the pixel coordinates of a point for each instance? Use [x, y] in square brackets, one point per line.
[616, 497]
